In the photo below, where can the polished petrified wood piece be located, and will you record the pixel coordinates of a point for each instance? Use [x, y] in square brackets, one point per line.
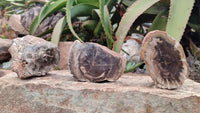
[95, 63]
[165, 59]
[33, 56]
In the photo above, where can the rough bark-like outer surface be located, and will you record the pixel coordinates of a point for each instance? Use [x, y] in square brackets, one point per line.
[95, 63]
[59, 93]
[165, 59]
[33, 56]
[4, 46]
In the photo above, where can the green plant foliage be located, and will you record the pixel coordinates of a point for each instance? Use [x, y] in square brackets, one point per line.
[178, 17]
[77, 10]
[128, 2]
[159, 22]
[12, 6]
[136, 9]
[33, 1]
[68, 12]
[130, 67]
[82, 10]
[106, 23]
[90, 24]
[57, 31]
[195, 17]
[47, 10]
[89, 2]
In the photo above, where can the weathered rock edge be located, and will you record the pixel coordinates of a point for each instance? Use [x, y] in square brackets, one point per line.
[60, 93]
[33, 56]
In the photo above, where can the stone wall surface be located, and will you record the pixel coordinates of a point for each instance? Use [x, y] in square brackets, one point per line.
[59, 92]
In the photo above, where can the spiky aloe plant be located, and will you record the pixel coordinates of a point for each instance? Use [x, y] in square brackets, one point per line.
[158, 46]
[179, 14]
[10, 7]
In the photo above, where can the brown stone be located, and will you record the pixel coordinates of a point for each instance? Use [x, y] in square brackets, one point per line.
[16, 25]
[165, 59]
[4, 46]
[64, 47]
[59, 93]
[95, 63]
[33, 56]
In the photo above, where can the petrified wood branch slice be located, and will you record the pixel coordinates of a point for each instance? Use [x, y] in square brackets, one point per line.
[95, 63]
[165, 60]
[33, 56]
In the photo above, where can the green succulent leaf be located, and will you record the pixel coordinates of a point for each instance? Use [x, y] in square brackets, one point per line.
[106, 23]
[159, 22]
[97, 29]
[136, 9]
[68, 12]
[82, 10]
[194, 26]
[34, 1]
[130, 67]
[18, 4]
[90, 2]
[128, 2]
[178, 17]
[47, 10]
[46, 32]
[58, 30]
[90, 24]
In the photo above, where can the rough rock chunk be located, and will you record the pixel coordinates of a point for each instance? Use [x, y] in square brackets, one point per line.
[132, 47]
[4, 46]
[33, 56]
[95, 63]
[16, 25]
[165, 60]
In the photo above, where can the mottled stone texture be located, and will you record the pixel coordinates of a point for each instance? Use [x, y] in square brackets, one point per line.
[33, 56]
[165, 59]
[59, 93]
[4, 72]
[95, 63]
[4, 45]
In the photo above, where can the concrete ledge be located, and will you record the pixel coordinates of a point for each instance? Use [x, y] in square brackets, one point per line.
[58, 92]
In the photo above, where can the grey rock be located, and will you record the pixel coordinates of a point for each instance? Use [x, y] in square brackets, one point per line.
[59, 93]
[33, 56]
[132, 47]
